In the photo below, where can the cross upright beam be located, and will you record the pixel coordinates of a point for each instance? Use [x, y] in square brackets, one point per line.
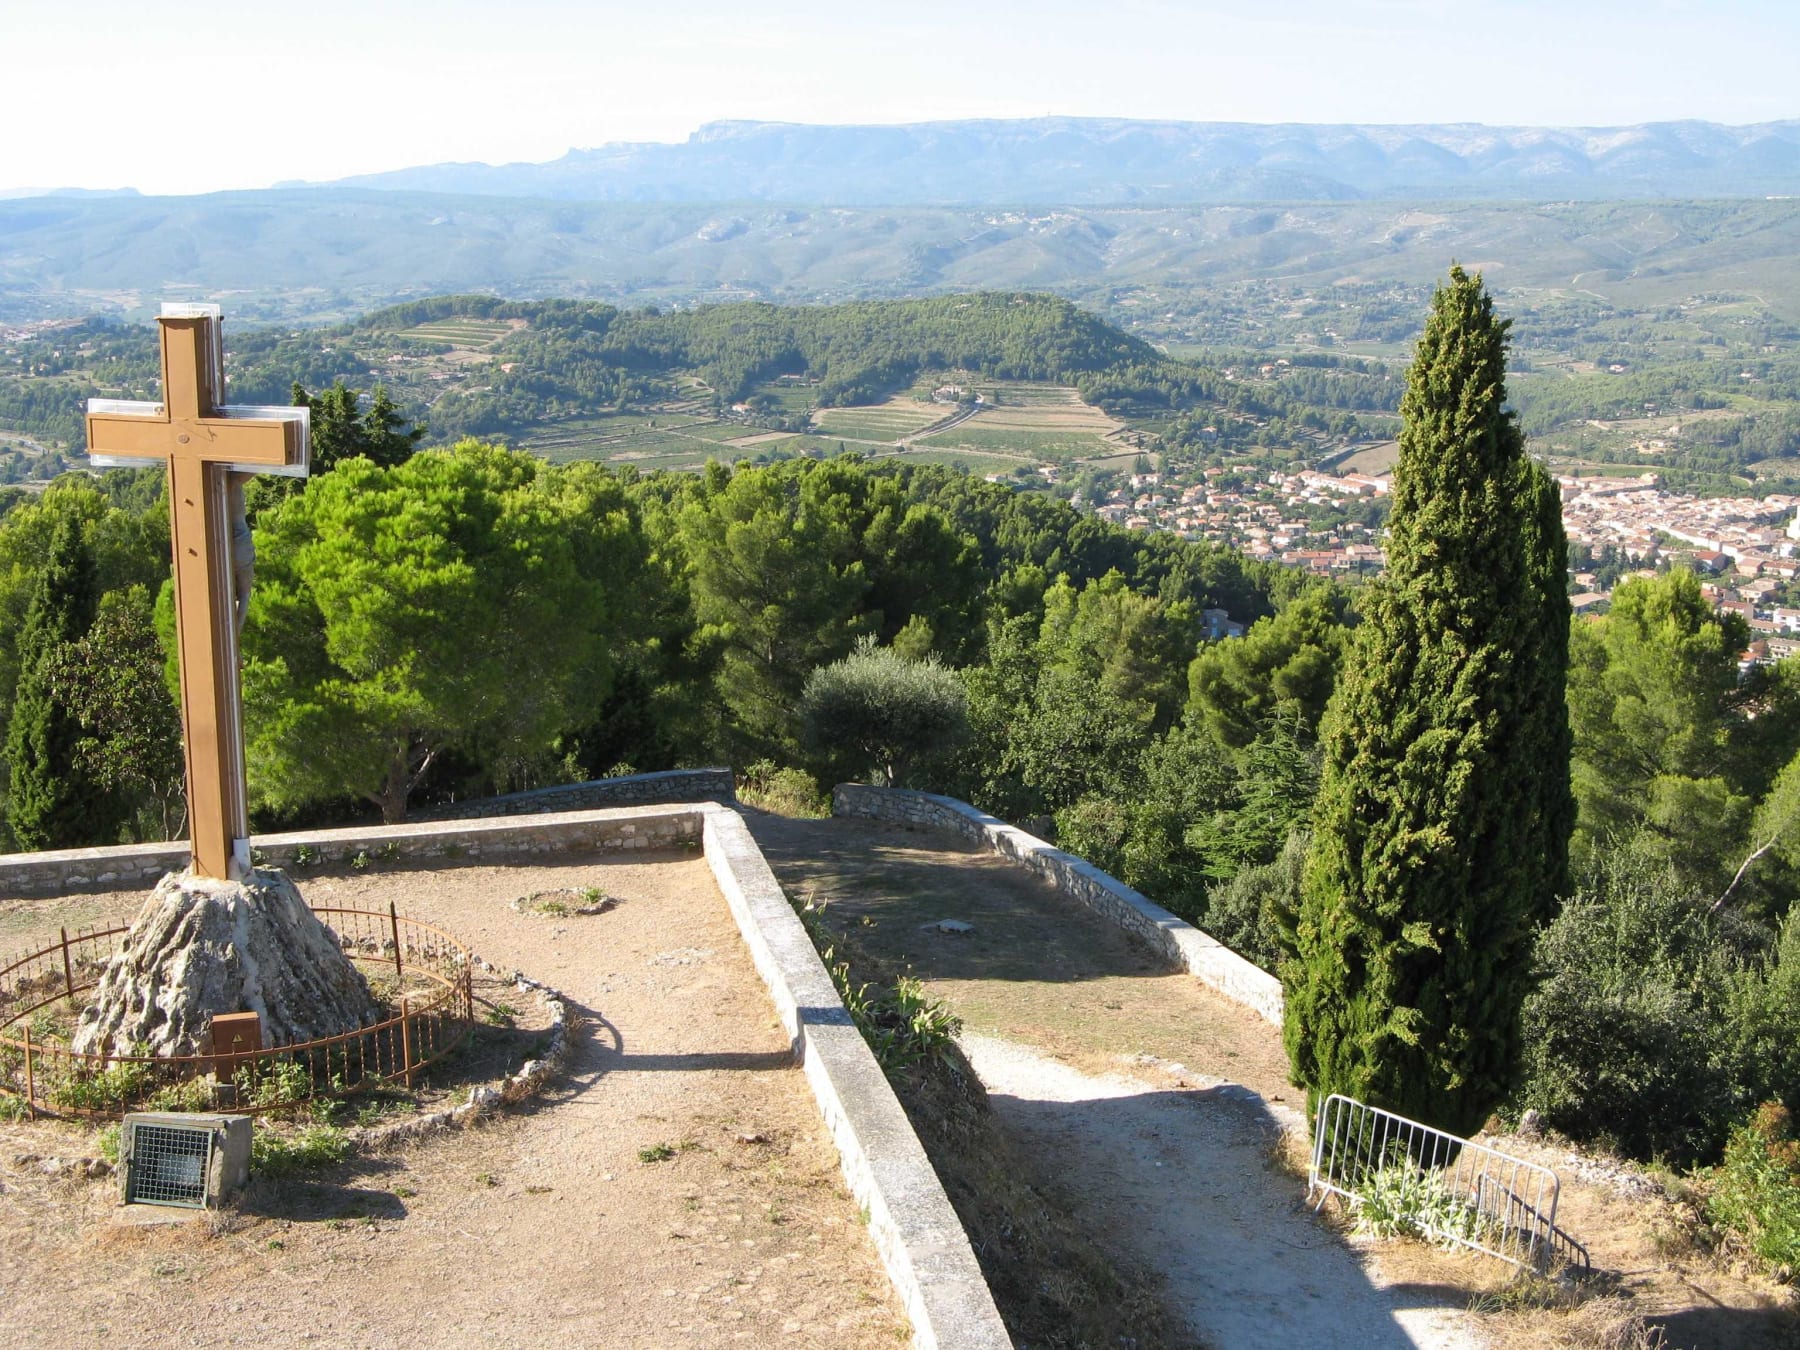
[202, 443]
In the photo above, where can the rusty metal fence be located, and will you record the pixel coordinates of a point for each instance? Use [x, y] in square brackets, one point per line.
[420, 974]
[1450, 1188]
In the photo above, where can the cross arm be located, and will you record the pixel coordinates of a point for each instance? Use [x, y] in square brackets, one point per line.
[250, 439]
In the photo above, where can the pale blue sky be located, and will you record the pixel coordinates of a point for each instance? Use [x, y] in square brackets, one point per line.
[95, 90]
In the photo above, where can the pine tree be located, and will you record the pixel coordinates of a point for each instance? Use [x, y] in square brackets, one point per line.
[50, 804]
[1443, 815]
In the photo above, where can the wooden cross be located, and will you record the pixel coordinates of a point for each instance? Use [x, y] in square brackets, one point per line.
[203, 443]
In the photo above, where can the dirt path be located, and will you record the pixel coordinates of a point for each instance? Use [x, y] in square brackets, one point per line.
[1155, 1106]
[1188, 1187]
[548, 1227]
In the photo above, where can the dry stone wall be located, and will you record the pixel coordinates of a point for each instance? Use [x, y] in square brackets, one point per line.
[1197, 952]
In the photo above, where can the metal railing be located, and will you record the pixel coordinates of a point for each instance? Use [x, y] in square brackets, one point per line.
[421, 972]
[1453, 1189]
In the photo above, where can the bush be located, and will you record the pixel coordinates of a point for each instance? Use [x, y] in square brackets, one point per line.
[878, 713]
[1400, 1200]
[1243, 913]
[1645, 1029]
[786, 792]
[1755, 1192]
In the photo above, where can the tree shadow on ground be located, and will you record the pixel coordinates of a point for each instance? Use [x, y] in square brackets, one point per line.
[1187, 1181]
[1724, 1328]
[893, 883]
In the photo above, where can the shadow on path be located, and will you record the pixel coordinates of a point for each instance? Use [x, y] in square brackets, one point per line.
[1185, 1180]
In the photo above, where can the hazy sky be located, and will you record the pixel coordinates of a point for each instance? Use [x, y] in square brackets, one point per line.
[194, 95]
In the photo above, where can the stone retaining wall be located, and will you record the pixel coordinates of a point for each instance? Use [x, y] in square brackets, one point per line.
[638, 789]
[1197, 952]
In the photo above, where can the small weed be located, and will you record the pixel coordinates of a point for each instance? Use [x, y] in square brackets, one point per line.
[502, 1015]
[775, 1214]
[337, 1225]
[12, 1108]
[194, 1095]
[539, 1190]
[486, 1179]
[1400, 1200]
[360, 860]
[277, 1245]
[119, 1085]
[656, 1153]
[307, 1149]
[107, 1142]
[266, 1083]
[404, 1192]
[389, 852]
[305, 855]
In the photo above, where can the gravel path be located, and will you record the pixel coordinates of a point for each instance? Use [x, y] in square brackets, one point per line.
[1184, 1180]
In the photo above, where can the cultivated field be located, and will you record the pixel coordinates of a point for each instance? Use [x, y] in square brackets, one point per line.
[1035, 422]
[894, 420]
[470, 333]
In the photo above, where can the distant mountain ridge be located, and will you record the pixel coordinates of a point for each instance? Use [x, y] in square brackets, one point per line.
[1092, 161]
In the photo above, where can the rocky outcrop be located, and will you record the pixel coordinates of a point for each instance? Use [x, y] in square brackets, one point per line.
[201, 947]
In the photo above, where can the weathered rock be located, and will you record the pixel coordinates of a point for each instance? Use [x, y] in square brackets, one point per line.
[201, 947]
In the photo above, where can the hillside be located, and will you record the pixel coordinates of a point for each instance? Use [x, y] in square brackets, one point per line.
[1112, 160]
[329, 255]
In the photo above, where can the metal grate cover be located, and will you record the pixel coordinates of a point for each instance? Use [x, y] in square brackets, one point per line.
[169, 1165]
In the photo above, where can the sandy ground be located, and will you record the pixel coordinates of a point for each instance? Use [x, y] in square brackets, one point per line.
[543, 1228]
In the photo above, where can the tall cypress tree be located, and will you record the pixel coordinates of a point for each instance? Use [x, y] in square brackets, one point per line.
[50, 804]
[1443, 816]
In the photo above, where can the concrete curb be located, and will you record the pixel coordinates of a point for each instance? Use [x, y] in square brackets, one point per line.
[1199, 953]
[915, 1229]
[920, 1240]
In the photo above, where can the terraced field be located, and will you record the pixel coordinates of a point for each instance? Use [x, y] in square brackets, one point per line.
[884, 422]
[1033, 422]
[467, 333]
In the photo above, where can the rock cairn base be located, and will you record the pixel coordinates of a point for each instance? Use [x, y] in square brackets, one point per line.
[201, 947]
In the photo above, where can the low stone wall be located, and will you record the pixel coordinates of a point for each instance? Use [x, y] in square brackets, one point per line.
[920, 1239]
[623, 829]
[638, 789]
[1197, 952]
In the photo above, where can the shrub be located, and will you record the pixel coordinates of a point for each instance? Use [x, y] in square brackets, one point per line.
[1243, 913]
[878, 712]
[1647, 1028]
[786, 792]
[1755, 1192]
[1401, 1200]
[311, 1147]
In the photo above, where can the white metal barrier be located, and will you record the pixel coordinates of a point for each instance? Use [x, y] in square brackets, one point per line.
[1462, 1192]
